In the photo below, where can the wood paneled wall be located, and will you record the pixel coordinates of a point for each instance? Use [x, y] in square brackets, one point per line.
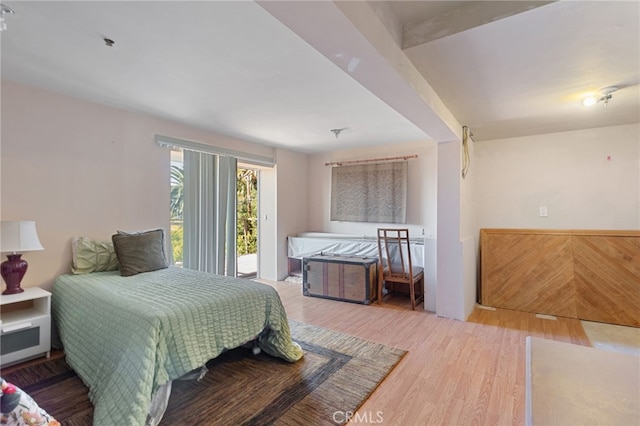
[590, 275]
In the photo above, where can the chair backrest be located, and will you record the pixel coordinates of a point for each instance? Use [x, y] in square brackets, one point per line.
[395, 252]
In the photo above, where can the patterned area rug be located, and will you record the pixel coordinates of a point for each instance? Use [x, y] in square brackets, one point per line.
[336, 375]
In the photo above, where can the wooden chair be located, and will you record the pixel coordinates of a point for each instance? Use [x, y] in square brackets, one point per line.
[395, 266]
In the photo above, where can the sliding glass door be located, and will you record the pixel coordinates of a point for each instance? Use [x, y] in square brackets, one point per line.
[207, 212]
[214, 206]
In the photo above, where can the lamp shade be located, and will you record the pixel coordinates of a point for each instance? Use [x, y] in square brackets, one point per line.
[19, 236]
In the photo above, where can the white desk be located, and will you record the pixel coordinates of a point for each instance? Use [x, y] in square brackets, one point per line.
[310, 244]
[314, 243]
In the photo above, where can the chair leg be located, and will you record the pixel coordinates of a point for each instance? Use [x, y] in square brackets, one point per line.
[380, 283]
[412, 291]
[421, 282]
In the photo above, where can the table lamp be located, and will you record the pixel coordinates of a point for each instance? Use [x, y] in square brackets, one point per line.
[16, 236]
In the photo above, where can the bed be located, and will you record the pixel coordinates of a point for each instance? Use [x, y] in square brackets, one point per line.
[129, 337]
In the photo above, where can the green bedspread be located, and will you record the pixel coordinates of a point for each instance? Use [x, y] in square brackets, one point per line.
[125, 336]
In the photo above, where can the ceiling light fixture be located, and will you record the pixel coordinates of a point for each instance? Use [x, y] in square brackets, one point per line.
[604, 96]
[337, 131]
[4, 10]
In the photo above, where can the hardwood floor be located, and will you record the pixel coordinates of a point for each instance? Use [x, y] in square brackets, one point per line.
[456, 373]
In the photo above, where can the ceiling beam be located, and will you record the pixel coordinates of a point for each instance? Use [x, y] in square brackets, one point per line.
[468, 15]
[351, 36]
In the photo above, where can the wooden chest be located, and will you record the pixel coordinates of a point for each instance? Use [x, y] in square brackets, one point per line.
[348, 278]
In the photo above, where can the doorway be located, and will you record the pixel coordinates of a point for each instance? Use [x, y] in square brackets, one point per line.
[247, 222]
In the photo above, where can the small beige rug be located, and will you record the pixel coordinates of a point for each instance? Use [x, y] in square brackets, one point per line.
[612, 337]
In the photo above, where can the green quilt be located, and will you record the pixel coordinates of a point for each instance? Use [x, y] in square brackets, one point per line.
[125, 336]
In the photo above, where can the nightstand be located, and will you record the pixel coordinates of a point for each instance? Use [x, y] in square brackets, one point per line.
[25, 325]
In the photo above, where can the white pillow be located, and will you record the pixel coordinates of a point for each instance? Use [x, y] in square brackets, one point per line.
[88, 255]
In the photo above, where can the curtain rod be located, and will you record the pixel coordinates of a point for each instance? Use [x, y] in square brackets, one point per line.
[373, 160]
[171, 142]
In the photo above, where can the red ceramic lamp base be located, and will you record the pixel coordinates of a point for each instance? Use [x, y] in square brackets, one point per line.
[12, 271]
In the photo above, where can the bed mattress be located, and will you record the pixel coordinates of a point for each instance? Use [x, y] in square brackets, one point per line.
[127, 336]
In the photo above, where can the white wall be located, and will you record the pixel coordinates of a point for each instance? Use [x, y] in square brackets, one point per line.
[468, 230]
[450, 268]
[267, 247]
[80, 168]
[456, 249]
[587, 179]
[292, 203]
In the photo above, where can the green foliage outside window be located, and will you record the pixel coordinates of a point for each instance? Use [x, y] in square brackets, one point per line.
[247, 211]
[176, 208]
[177, 192]
[247, 227]
[176, 241]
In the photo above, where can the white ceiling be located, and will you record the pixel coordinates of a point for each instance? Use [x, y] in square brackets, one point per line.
[529, 73]
[503, 68]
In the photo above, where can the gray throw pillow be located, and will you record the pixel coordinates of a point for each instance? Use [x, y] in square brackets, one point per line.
[140, 252]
